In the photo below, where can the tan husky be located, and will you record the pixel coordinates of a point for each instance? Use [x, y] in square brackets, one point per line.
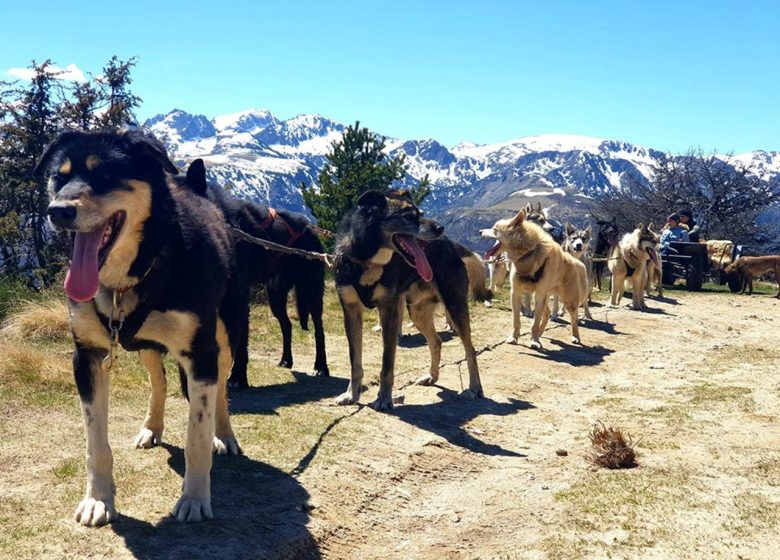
[538, 265]
[629, 261]
[753, 266]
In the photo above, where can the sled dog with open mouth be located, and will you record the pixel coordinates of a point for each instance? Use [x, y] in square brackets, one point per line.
[387, 256]
[539, 266]
[629, 261]
[150, 271]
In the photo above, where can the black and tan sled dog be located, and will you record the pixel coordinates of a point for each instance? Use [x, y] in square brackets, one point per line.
[389, 256]
[150, 272]
[279, 272]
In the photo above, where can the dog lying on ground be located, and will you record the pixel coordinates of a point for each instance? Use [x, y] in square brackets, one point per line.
[577, 243]
[629, 261]
[750, 267]
[539, 266]
[150, 271]
[389, 256]
[277, 271]
[606, 238]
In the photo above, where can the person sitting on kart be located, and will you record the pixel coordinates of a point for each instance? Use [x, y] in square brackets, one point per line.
[672, 232]
[687, 221]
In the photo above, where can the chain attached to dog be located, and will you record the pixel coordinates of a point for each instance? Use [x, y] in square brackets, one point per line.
[116, 320]
[327, 258]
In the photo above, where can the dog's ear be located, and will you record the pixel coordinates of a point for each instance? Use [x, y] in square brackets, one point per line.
[196, 177]
[589, 230]
[517, 220]
[52, 150]
[640, 226]
[650, 226]
[538, 206]
[146, 145]
[528, 208]
[372, 199]
[569, 228]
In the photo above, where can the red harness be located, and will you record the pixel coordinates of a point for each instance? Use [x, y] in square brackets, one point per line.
[293, 234]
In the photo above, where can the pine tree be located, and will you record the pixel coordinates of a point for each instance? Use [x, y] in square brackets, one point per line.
[358, 163]
[120, 103]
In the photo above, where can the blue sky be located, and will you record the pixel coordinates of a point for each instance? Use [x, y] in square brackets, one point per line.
[669, 75]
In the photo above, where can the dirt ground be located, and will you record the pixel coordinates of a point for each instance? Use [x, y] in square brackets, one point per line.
[694, 381]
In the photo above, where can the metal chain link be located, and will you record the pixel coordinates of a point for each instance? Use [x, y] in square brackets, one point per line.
[116, 320]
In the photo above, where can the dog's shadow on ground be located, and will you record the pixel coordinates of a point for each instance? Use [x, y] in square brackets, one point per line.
[575, 355]
[266, 399]
[417, 340]
[259, 512]
[447, 418]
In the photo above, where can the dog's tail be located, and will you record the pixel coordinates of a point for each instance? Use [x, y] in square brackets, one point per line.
[309, 282]
[475, 270]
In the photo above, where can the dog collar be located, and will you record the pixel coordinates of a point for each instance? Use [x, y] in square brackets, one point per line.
[125, 289]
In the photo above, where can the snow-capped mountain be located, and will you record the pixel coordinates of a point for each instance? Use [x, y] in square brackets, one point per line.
[265, 159]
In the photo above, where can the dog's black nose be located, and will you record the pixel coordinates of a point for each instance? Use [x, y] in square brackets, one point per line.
[60, 214]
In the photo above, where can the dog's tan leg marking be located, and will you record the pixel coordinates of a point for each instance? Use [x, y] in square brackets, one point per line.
[575, 328]
[390, 314]
[353, 325]
[516, 296]
[225, 442]
[152, 430]
[638, 288]
[422, 317]
[541, 315]
[195, 502]
[97, 507]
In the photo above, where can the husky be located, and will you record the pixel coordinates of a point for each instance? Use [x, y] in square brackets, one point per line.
[388, 256]
[629, 261]
[150, 271]
[277, 271]
[539, 266]
[750, 267]
[606, 238]
[499, 265]
[577, 243]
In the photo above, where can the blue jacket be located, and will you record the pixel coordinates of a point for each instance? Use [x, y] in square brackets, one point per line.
[677, 233]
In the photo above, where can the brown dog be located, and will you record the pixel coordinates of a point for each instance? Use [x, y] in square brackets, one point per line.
[751, 267]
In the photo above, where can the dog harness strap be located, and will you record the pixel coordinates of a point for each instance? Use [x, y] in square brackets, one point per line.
[268, 219]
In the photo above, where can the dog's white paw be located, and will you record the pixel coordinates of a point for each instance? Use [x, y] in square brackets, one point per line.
[94, 513]
[383, 403]
[488, 303]
[425, 380]
[227, 445]
[536, 345]
[511, 340]
[346, 398]
[192, 510]
[575, 340]
[147, 438]
[376, 328]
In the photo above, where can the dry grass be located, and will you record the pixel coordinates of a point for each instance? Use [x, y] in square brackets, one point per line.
[611, 449]
[38, 321]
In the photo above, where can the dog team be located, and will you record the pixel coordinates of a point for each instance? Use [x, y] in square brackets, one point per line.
[155, 268]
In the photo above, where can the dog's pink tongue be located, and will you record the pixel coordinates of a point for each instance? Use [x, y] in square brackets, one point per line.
[81, 282]
[420, 260]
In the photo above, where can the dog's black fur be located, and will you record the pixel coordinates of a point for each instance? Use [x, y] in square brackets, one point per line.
[607, 237]
[371, 271]
[170, 257]
[277, 271]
